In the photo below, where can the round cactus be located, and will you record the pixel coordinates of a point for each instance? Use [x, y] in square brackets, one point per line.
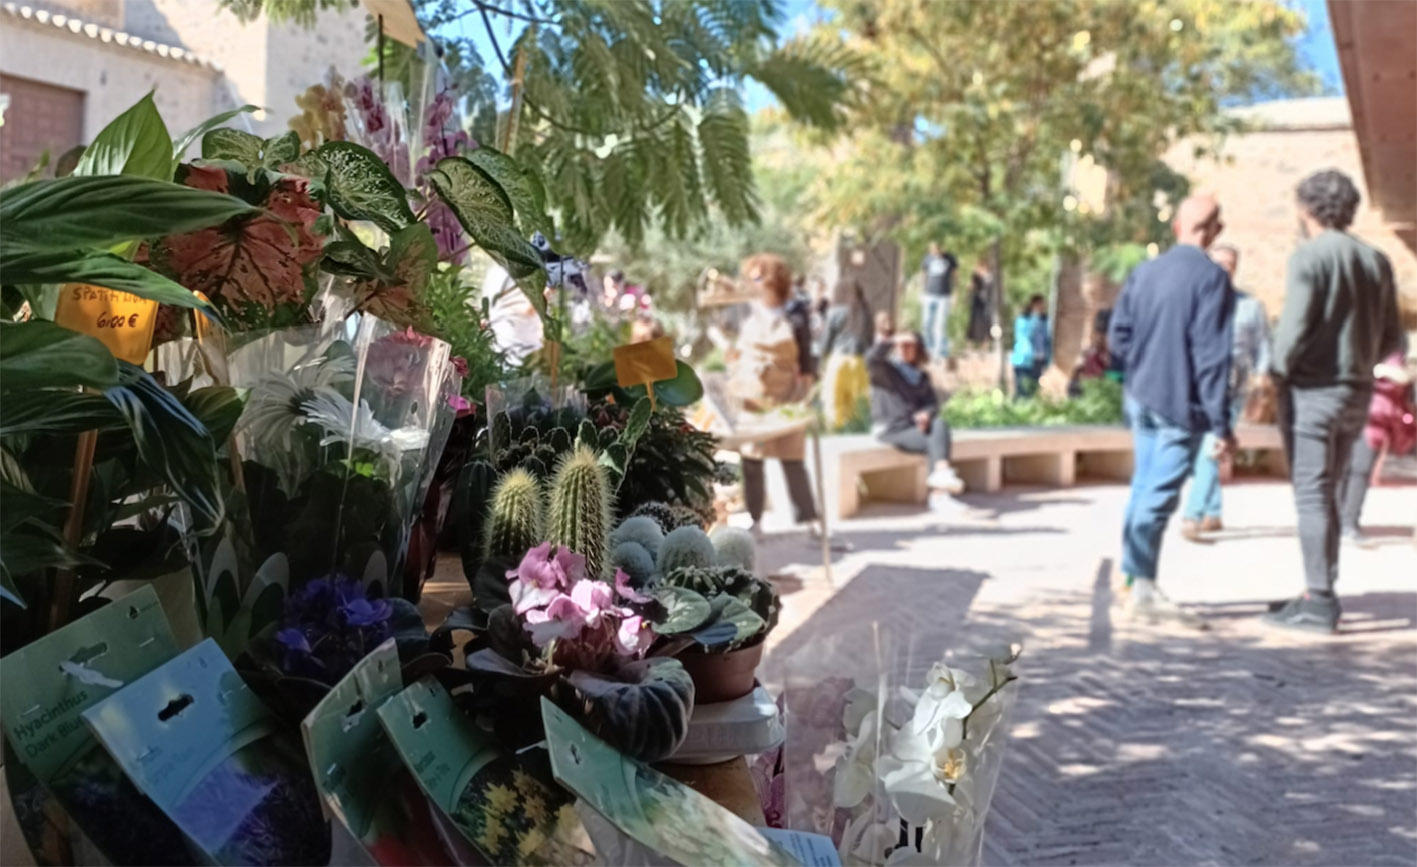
[579, 516]
[642, 530]
[735, 547]
[516, 520]
[687, 516]
[660, 513]
[636, 562]
[686, 546]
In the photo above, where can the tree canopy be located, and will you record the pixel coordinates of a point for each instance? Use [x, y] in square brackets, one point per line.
[630, 111]
[972, 114]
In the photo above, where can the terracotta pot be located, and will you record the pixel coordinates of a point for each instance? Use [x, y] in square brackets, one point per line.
[723, 676]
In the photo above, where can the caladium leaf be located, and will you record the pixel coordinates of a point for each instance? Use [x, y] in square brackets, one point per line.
[184, 141]
[359, 185]
[484, 209]
[514, 181]
[225, 143]
[256, 260]
[404, 271]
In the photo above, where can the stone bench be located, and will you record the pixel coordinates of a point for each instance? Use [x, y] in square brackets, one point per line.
[989, 458]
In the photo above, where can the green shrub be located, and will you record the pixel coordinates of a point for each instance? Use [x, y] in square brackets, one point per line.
[1100, 403]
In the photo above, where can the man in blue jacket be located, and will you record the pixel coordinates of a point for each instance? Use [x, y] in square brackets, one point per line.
[1171, 332]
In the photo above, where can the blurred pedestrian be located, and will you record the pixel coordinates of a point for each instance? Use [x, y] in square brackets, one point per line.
[841, 353]
[1172, 333]
[905, 409]
[772, 365]
[1032, 347]
[1391, 430]
[939, 269]
[981, 294]
[1340, 318]
[1097, 361]
[1248, 363]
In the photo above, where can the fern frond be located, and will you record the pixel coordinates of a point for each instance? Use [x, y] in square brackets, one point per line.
[727, 164]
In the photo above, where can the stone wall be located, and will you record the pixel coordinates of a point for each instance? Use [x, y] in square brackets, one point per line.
[1255, 179]
[265, 64]
[111, 76]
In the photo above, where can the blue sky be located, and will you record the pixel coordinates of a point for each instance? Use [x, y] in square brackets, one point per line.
[1316, 46]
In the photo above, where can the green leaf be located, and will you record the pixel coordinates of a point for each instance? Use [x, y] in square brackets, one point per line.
[684, 389]
[225, 143]
[18, 506]
[46, 411]
[170, 440]
[413, 256]
[485, 211]
[280, 149]
[637, 423]
[34, 546]
[746, 621]
[134, 143]
[40, 354]
[184, 141]
[684, 610]
[100, 269]
[78, 212]
[516, 183]
[218, 408]
[359, 185]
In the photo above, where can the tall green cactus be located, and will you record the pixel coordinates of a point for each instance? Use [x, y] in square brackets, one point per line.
[517, 520]
[580, 508]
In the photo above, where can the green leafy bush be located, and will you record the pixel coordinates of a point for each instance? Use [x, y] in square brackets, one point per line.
[1100, 403]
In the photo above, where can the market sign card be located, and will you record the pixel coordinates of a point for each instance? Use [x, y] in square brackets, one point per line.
[197, 741]
[121, 321]
[380, 812]
[655, 811]
[50, 682]
[506, 806]
[645, 362]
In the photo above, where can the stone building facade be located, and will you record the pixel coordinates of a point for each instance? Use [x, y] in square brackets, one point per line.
[67, 67]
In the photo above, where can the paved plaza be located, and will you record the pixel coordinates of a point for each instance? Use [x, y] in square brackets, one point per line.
[1137, 744]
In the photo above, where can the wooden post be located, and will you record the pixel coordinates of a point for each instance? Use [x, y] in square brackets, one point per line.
[73, 526]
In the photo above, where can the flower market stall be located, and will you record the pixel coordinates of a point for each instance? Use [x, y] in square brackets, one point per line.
[244, 394]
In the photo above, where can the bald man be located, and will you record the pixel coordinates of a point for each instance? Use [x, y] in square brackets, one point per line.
[1171, 332]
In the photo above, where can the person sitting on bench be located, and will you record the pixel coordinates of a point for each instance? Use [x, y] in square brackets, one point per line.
[905, 411]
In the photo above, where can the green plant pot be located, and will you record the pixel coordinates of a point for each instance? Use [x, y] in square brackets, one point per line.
[723, 676]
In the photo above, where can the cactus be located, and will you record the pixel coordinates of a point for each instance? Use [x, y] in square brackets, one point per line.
[687, 516]
[642, 530]
[579, 516]
[660, 513]
[471, 500]
[516, 522]
[636, 562]
[686, 546]
[734, 547]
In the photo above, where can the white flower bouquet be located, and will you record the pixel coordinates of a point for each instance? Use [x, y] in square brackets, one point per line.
[912, 781]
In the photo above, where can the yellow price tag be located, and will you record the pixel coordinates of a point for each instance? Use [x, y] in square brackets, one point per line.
[121, 321]
[643, 363]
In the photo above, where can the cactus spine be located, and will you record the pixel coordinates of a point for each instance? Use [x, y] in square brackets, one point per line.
[516, 521]
[580, 508]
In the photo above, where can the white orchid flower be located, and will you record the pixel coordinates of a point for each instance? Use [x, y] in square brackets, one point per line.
[916, 775]
[866, 839]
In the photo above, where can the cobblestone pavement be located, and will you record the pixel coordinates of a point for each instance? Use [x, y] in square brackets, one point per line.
[1144, 745]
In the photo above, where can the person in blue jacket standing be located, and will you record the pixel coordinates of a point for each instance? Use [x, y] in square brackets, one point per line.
[1171, 330]
[1033, 347]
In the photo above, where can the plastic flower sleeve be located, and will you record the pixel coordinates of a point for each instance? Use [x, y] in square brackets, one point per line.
[343, 427]
[892, 753]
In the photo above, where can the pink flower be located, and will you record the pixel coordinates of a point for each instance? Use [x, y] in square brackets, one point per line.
[539, 579]
[459, 365]
[561, 619]
[634, 636]
[626, 592]
[458, 403]
[572, 565]
[595, 600]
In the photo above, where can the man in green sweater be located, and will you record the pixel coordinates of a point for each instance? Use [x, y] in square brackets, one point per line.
[1340, 318]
